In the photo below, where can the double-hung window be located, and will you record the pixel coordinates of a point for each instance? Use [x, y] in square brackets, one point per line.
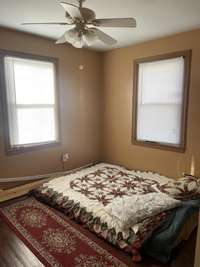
[30, 101]
[161, 92]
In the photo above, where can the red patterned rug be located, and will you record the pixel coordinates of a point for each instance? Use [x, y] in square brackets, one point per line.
[53, 239]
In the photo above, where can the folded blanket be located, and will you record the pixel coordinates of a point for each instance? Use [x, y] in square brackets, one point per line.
[132, 210]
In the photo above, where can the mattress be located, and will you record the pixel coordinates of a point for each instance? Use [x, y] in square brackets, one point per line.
[84, 195]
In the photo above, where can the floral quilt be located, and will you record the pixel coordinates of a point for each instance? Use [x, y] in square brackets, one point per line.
[85, 194]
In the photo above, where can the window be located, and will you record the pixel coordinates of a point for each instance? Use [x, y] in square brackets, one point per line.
[161, 90]
[31, 101]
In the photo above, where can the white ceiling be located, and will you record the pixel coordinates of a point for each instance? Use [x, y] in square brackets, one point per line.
[155, 18]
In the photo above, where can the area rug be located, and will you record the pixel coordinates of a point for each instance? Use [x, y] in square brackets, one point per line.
[53, 239]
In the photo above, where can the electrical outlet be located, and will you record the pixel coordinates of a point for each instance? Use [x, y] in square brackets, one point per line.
[65, 157]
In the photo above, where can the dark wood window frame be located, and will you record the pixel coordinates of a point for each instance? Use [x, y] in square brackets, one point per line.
[182, 147]
[12, 150]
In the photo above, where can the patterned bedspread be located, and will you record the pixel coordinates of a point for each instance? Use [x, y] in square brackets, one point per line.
[85, 194]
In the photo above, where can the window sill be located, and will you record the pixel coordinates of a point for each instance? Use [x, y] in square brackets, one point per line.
[161, 146]
[28, 148]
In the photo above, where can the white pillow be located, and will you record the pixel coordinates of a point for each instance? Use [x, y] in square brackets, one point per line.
[134, 209]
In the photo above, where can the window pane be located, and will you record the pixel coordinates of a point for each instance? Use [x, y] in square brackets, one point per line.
[159, 123]
[31, 103]
[36, 125]
[160, 100]
[34, 82]
[161, 81]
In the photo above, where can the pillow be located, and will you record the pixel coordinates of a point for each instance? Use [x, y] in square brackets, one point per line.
[187, 187]
[130, 210]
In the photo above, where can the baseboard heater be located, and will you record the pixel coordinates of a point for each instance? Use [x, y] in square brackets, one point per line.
[42, 176]
[32, 183]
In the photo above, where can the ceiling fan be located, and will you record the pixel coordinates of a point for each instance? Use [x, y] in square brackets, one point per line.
[85, 31]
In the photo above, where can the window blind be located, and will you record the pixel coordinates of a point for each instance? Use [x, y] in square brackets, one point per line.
[31, 101]
[160, 101]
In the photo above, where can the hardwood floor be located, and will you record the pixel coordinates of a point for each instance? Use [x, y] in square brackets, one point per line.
[14, 253]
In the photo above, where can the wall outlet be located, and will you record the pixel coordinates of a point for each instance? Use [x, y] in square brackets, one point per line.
[65, 157]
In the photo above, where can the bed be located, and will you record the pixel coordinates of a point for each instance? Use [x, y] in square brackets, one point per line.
[98, 197]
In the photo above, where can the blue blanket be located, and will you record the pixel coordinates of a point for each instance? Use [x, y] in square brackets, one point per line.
[160, 245]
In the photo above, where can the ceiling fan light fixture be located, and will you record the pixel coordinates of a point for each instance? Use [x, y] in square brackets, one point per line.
[90, 37]
[71, 35]
[61, 40]
[78, 42]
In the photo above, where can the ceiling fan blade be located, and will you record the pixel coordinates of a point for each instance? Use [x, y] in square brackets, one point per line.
[102, 36]
[116, 22]
[46, 23]
[71, 10]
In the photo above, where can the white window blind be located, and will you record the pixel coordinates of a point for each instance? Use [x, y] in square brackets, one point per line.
[31, 101]
[160, 101]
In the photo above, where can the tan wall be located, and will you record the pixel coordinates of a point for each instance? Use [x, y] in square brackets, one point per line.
[80, 103]
[83, 117]
[117, 106]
